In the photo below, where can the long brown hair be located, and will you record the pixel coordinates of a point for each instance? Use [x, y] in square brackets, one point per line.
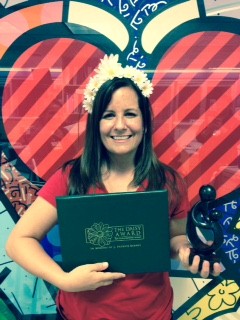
[86, 170]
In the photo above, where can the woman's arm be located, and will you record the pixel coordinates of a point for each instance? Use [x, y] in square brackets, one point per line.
[24, 247]
[23, 244]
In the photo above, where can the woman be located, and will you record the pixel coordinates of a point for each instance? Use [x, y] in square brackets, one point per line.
[118, 157]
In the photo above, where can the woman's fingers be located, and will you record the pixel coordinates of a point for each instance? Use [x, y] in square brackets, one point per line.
[205, 271]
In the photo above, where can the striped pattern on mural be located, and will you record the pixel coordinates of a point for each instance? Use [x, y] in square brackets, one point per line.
[197, 110]
[42, 111]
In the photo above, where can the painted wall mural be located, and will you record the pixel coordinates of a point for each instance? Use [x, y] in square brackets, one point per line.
[191, 50]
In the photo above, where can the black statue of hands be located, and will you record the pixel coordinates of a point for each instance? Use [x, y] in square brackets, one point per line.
[203, 221]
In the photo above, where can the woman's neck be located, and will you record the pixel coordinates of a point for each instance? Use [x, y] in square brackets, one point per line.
[122, 164]
[119, 176]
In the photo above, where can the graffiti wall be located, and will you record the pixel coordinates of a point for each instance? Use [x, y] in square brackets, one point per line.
[191, 51]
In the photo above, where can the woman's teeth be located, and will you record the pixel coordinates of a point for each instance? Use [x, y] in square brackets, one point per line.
[121, 137]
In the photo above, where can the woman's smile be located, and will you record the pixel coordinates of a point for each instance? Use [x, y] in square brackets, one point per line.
[119, 138]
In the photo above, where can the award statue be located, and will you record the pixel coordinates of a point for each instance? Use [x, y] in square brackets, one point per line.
[202, 223]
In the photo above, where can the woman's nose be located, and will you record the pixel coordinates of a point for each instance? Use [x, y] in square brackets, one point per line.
[120, 123]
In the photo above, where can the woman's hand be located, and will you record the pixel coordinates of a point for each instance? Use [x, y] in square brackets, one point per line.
[184, 253]
[89, 277]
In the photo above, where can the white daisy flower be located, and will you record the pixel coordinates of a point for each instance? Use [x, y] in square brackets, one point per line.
[87, 105]
[94, 82]
[128, 72]
[147, 89]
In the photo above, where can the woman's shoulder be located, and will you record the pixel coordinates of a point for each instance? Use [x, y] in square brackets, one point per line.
[56, 185]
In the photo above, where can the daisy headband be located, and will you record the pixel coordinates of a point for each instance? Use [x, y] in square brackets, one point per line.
[108, 69]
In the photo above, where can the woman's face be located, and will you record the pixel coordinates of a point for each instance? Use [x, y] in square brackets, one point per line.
[121, 125]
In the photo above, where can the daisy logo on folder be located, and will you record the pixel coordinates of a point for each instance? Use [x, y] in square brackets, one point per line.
[100, 234]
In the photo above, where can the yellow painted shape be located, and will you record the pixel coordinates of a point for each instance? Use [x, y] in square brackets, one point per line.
[99, 20]
[166, 21]
[221, 298]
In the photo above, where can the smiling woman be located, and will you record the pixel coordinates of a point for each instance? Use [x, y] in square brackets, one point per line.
[118, 156]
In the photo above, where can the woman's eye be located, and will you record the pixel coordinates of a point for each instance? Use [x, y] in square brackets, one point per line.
[108, 116]
[131, 114]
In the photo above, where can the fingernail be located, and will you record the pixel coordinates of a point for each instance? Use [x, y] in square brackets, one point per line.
[105, 264]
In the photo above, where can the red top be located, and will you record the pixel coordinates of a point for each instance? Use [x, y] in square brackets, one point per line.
[141, 296]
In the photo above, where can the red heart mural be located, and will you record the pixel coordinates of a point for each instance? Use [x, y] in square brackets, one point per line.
[196, 106]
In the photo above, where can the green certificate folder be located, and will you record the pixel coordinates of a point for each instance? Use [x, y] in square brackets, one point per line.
[128, 230]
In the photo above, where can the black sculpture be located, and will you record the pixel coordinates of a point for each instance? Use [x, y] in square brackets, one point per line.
[201, 218]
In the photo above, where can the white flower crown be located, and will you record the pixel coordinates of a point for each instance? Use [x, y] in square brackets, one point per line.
[108, 69]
